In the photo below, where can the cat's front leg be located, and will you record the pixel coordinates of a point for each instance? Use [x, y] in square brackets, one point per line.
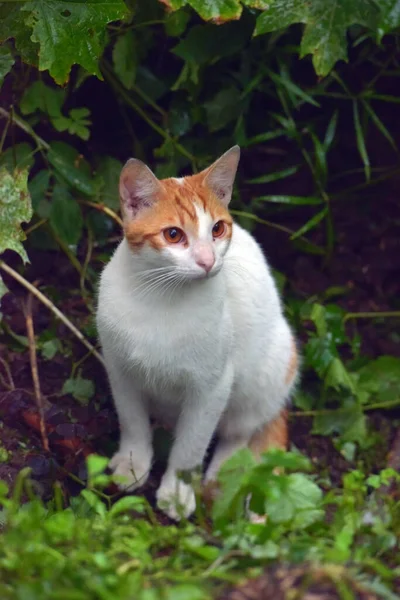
[134, 457]
[201, 413]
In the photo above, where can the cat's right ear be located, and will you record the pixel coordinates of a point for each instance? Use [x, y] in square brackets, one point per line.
[138, 188]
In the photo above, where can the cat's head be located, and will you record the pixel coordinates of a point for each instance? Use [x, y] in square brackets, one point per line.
[182, 225]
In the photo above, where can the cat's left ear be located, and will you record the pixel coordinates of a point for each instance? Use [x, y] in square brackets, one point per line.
[221, 175]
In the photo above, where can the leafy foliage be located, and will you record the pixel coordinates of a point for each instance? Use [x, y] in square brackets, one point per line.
[95, 548]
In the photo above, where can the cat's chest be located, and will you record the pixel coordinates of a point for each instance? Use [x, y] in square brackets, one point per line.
[177, 343]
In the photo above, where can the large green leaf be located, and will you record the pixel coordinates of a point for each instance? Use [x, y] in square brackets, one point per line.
[15, 208]
[218, 10]
[12, 25]
[326, 25]
[204, 43]
[71, 32]
[66, 216]
[125, 58]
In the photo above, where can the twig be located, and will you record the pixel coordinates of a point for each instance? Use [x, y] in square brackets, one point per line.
[372, 315]
[123, 93]
[52, 307]
[102, 208]
[87, 260]
[11, 384]
[25, 127]
[331, 411]
[34, 369]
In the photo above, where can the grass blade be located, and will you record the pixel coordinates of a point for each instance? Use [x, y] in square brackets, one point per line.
[360, 141]
[292, 88]
[264, 137]
[292, 200]
[270, 177]
[379, 124]
[330, 131]
[313, 222]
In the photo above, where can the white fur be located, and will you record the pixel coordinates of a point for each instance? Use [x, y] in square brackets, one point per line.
[199, 353]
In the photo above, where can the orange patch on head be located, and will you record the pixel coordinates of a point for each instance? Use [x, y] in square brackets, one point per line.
[174, 206]
[293, 364]
[273, 435]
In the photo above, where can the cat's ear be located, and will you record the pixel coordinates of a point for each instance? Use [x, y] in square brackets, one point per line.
[138, 188]
[221, 175]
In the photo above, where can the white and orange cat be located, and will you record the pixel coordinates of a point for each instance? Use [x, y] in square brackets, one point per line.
[192, 329]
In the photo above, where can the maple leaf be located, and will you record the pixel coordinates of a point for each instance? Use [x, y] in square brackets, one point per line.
[326, 25]
[71, 33]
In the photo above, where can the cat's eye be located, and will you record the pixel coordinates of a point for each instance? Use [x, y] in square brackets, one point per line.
[218, 229]
[173, 235]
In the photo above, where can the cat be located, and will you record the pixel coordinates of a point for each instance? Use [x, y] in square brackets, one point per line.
[192, 330]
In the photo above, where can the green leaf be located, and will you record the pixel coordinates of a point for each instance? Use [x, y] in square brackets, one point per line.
[96, 465]
[326, 25]
[50, 348]
[15, 208]
[299, 502]
[81, 389]
[107, 175]
[338, 376]
[125, 58]
[19, 156]
[128, 503]
[349, 422]
[292, 200]
[12, 25]
[70, 165]
[270, 177]
[232, 476]
[389, 17]
[204, 43]
[311, 223]
[38, 187]
[71, 33]
[76, 123]
[6, 62]
[223, 108]
[379, 380]
[65, 216]
[175, 23]
[40, 96]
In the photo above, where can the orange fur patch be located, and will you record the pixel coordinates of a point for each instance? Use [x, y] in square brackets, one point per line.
[272, 435]
[293, 364]
[175, 207]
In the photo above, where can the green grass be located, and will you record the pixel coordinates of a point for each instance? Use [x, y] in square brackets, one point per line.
[99, 549]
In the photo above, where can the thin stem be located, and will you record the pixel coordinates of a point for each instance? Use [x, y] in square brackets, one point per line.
[25, 127]
[35, 226]
[51, 307]
[35, 371]
[104, 209]
[271, 224]
[373, 315]
[330, 411]
[87, 260]
[127, 98]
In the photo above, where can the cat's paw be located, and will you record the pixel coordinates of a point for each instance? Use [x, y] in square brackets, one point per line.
[176, 499]
[135, 472]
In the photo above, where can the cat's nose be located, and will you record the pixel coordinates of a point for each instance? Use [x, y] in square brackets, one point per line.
[204, 257]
